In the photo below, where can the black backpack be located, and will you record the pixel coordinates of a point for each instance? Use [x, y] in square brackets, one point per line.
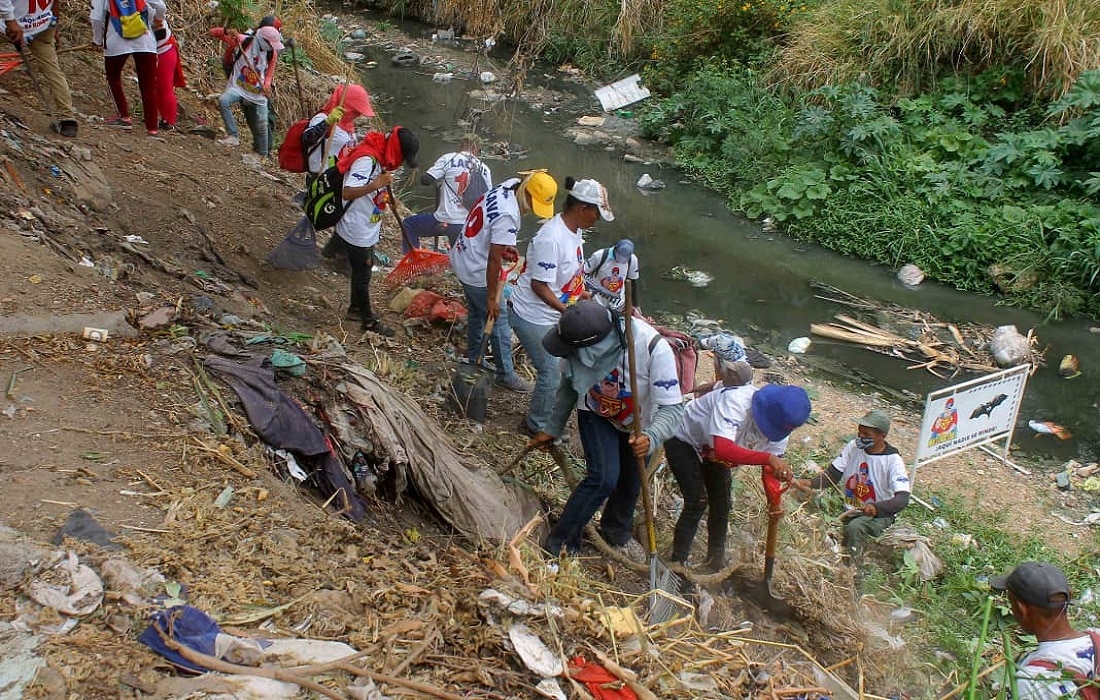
[324, 204]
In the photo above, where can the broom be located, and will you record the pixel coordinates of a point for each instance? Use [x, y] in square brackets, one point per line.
[663, 581]
[418, 261]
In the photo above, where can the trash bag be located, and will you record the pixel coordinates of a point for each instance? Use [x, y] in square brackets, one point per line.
[298, 251]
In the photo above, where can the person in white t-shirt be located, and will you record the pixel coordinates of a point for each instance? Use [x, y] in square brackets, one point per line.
[477, 258]
[1066, 661]
[250, 84]
[596, 382]
[106, 20]
[33, 24]
[367, 177]
[606, 273]
[552, 279]
[460, 179]
[733, 424]
[872, 475]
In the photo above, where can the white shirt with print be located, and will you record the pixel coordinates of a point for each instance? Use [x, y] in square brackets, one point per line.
[33, 17]
[725, 412]
[247, 77]
[454, 171]
[1069, 656]
[657, 383]
[606, 277]
[554, 256]
[361, 224]
[105, 35]
[495, 219]
[867, 478]
[339, 140]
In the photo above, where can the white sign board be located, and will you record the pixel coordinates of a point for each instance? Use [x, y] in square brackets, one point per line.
[973, 413]
[622, 93]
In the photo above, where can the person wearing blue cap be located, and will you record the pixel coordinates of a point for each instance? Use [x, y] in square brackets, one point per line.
[874, 480]
[606, 273]
[734, 424]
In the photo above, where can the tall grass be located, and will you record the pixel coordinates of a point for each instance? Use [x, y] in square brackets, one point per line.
[912, 43]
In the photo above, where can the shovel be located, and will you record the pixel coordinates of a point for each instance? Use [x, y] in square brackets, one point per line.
[472, 383]
[761, 593]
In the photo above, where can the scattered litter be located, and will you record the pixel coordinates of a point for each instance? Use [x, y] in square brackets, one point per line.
[1009, 347]
[136, 239]
[696, 278]
[910, 275]
[646, 182]
[353, 57]
[67, 586]
[81, 525]
[288, 362]
[443, 77]
[1049, 428]
[591, 121]
[799, 346]
[96, 335]
[1069, 367]
[224, 497]
[488, 77]
[85, 261]
[536, 656]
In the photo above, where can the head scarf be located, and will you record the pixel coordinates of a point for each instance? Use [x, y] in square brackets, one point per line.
[356, 104]
[384, 148]
[590, 364]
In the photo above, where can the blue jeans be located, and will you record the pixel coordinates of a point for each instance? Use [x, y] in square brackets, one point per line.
[546, 365]
[500, 338]
[612, 475]
[254, 114]
[427, 226]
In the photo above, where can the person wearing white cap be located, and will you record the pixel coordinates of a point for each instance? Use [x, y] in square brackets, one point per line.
[606, 273]
[733, 425]
[552, 279]
[1066, 664]
[872, 475]
[250, 84]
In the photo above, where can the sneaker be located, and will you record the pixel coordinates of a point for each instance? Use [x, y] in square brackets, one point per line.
[632, 550]
[353, 315]
[154, 132]
[230, 141]
[165, 126]
[513, 382]
[66, 127]
[120, 122]
[375, 326]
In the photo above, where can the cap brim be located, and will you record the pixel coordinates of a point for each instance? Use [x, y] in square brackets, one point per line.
[277, 45]
[542, 209]
[553, 344]
[606, 214]
[999, 583]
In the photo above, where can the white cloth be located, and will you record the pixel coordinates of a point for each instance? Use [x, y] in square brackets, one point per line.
[247, 76]
[105, 35]
[361, 224]
[867, 478]
[33, 21]
[1037, 683]
[495, 219]
[339, 140]
[454, 171]
[725, 412]
[657, 383]
[606, 277]
[554, 256]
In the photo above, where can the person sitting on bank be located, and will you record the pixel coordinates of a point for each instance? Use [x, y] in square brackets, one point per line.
[460, 179]
[873, 476]
[1065, 661]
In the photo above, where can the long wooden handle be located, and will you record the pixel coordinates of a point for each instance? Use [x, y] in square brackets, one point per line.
[400, 221]
[636, 427]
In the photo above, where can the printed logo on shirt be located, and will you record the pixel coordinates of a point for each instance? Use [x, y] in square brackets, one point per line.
[613, 282]
[248, 79]
[38, 16]
[666, 383]
[571, 292]
[859, 485]
[610, 398]
[547, 265]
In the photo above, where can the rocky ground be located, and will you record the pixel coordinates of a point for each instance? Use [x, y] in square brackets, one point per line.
[100, 231]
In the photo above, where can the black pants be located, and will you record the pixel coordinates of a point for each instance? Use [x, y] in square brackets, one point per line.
[361, 261]
[705, 487]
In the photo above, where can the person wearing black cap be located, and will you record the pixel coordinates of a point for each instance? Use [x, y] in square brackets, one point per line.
[595, 381]
[874, 480]
[1065, 663]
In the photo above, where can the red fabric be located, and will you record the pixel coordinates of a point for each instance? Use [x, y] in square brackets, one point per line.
[384, 148]
[355, 103]
[447, 311]
[773, 488]
[422, 304]
[728, 453]
[599, 681]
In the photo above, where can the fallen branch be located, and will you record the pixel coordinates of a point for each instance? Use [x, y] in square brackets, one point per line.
[625, 675]
[411, 685]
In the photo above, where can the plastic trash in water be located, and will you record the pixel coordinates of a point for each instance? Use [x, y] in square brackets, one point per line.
[1049, 428]
[443, 77]
[488, 77]
[799, 346]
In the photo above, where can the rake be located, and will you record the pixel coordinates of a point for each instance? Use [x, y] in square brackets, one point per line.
[664, 583]
[418, 261]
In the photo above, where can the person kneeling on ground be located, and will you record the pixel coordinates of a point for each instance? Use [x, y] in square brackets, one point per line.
[732, 425]
[874, 479]
[595, 381]
[1066, 661]
[460, 179]
[366, 169]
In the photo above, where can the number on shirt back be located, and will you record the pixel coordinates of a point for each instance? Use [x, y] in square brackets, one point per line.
[474, 222]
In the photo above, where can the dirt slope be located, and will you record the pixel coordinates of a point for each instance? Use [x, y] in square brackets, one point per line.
[112, 427]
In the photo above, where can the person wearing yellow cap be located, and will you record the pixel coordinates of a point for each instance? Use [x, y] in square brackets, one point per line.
[552, 279]
[488, 238]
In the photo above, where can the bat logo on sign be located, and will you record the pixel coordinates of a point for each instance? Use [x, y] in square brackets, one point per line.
[986, 409]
